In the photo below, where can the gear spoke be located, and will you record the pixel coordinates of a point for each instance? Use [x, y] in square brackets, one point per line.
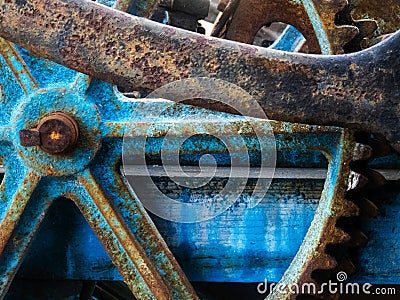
[13, 203]
[16, 81]
[22, 236]
[138, 220]
[132, 261]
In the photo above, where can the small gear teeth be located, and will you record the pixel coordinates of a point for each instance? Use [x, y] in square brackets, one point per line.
[339, 35]
[376, 179]
[362, 181]
[327, 262]
[347, 266]
[366, 27]
[367, 208]
[362, 152]
[344, 238]
[349, 209]
[373, 18]
[339, 236]
[357, 181]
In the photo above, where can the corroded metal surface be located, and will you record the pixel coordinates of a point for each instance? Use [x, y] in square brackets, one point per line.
[358, 91]
[149, 277]
[136, 53]
[111, 209]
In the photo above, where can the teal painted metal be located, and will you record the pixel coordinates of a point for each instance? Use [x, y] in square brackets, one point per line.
[90, 177]
[91, 168]
[143, 7]
[101, 100]
[290, 40]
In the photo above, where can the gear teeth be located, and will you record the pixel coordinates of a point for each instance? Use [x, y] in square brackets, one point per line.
[372, 19]
[367, 208]
[366, 27]
[349, 209]
[326, 262]
[362, 152]
[344, 238]
[369, 180]
[347, 266]
[378, 143]
[339, 236]
[339, 35]
[342, 35]
[376, 179]
[362, 181]
[357, 181]
[366, 43]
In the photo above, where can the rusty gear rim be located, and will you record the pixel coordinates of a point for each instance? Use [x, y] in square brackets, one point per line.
[335, 235]
[242, 19]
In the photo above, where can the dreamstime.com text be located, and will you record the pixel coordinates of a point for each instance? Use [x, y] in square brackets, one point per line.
[331, 287]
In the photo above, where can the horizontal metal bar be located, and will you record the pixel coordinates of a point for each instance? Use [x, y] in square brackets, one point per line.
[225, 172]
[239, 172]
[137, 128]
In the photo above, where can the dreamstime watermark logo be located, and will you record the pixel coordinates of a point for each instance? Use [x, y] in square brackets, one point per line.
[330, 287]
[163, 127]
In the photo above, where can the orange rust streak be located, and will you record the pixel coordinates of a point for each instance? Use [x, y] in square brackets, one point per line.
[18, 205]
[132, 247]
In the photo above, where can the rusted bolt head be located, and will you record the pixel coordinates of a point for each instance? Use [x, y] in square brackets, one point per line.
[58, 133]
